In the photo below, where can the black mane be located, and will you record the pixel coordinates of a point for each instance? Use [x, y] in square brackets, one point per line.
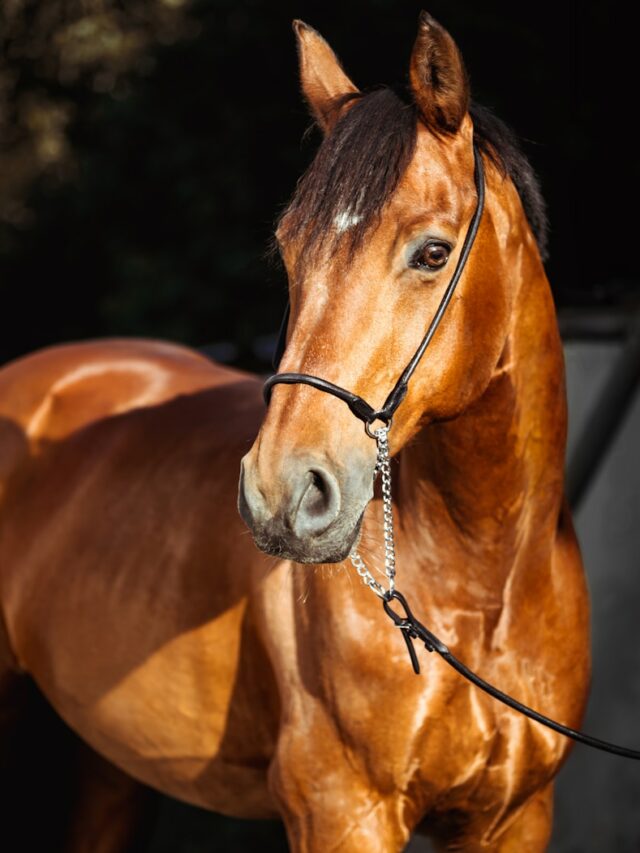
[500, 144]
[359, 164]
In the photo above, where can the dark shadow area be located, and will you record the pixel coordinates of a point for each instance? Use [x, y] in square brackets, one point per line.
[189, 830]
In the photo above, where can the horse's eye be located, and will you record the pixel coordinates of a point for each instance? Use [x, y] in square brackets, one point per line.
[431, 256]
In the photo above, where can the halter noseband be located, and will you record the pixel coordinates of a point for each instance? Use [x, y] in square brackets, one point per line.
[360, 408]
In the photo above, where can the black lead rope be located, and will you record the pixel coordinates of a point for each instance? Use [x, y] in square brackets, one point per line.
[412, 630]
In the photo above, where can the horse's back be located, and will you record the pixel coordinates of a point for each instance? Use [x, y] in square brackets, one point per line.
[54, 391]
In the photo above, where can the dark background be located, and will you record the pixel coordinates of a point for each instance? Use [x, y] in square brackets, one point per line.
[146, 148]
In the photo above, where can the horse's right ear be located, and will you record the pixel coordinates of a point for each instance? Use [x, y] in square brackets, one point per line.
[324, 83]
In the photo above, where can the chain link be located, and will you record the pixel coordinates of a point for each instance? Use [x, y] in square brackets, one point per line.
[383, 467]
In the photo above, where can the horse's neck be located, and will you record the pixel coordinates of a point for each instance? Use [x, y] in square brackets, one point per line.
[479, 496]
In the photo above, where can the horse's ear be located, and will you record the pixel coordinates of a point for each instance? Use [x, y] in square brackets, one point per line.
[323, 81]
[439, 81]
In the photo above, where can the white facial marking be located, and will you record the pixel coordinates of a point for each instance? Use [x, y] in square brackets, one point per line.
[345, 220]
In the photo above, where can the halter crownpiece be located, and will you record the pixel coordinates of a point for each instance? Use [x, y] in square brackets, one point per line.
[410, 628]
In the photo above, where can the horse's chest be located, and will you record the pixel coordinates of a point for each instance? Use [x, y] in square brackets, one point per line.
[433, 737]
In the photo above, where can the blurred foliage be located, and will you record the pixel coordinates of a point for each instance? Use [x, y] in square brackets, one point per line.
[53, 55]
[148, 145]
[130, 193]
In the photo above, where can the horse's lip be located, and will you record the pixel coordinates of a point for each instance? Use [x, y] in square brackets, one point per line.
[280, 544]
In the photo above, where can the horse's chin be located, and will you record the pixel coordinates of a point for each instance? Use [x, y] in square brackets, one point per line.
[333, 546]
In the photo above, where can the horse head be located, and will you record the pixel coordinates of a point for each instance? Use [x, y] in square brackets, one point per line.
[370, 241]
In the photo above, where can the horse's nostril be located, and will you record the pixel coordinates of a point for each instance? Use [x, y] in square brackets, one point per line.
[319, 503]
[315, 496]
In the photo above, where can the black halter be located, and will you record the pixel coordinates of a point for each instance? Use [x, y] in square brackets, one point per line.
[410, 627]
[360, 408]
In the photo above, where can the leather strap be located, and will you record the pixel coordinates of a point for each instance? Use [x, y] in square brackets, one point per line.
[412, 630]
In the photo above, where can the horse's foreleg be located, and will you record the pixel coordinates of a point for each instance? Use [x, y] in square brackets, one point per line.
[329, 806]
[527, 831]
[531, 829]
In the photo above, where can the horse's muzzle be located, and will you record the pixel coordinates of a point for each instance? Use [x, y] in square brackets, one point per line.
[311, 515]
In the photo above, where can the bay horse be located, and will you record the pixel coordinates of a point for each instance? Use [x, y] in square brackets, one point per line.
[186, 658]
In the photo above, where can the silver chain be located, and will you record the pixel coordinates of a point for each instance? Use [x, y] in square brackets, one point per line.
[383, 467]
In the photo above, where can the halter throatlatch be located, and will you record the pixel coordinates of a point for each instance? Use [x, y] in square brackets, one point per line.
[409, 626]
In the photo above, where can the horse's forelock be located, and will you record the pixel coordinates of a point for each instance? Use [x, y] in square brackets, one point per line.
[360, 163]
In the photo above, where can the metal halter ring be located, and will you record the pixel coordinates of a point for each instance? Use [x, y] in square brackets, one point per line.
[367, 427]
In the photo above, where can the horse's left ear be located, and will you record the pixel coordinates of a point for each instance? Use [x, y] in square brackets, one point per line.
[324, 83]
[439, 81]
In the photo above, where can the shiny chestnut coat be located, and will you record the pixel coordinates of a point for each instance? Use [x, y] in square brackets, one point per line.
[134, 596]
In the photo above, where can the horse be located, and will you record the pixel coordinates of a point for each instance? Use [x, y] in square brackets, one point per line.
[236, 677]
